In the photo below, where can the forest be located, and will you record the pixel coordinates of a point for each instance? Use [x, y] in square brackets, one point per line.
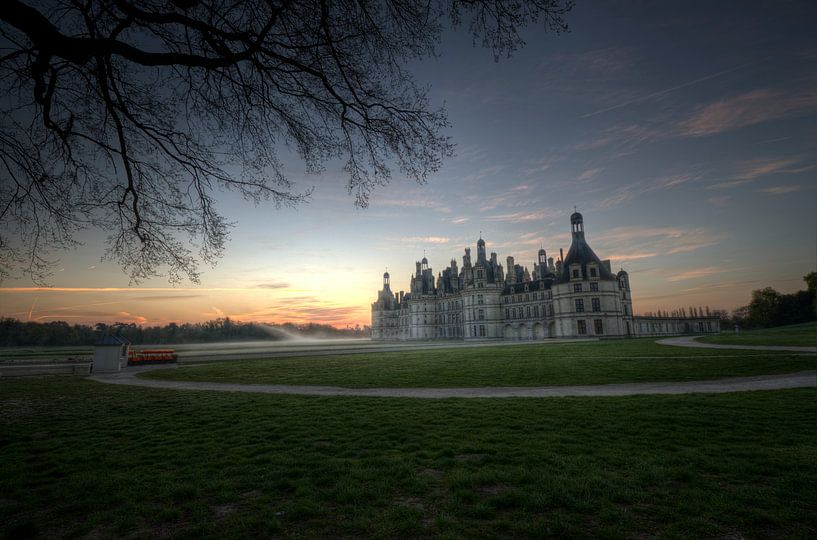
[16, 333]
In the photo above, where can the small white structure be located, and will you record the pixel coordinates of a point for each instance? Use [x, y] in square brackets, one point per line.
[110, 354]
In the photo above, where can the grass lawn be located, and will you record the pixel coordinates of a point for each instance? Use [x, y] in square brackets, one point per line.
[802, 335]
[523, 365]
[79, 458]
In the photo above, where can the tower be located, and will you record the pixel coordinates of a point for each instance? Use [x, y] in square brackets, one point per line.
[481, 250]
[577, 225]
[510, 276]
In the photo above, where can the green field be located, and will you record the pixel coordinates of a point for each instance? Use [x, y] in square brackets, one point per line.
[522, 365]
[84, 459]
[800, 335]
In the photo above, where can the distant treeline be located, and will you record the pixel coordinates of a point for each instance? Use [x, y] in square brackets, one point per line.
[771, 308]
[16, 333]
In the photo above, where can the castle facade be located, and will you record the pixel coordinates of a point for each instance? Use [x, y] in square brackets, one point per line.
[577, 296]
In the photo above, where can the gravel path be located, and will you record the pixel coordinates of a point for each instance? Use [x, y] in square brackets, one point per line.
[690, 341]
[801, 379]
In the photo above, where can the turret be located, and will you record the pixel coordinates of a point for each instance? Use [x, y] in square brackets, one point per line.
[623, 280]
[481, 250]
[543, 258]
[386, 281]
[577, 225]
[466, 259]
[511, 275]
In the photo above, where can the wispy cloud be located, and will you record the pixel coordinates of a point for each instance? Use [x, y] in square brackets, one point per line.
[781, 190]
[518, 217]
[589, 174]
[273, 285]
[629, 192]
[460, 220]
[634, 243]
[745, 110]
[758, 168]
[665, 91]
[414, 202]
[164, 297]
[696, 273]
[415, 240]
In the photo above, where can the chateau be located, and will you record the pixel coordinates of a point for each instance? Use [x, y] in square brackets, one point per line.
[574, 297]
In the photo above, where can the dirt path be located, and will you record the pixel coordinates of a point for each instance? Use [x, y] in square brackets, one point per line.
[690, 341]
[803, 379]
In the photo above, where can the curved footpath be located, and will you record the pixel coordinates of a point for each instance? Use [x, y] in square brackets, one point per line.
[690, 341]
[801, 379]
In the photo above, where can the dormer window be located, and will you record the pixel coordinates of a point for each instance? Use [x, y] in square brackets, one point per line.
[593, 272]
[575, 273]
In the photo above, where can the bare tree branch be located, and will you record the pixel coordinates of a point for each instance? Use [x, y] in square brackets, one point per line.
[126, 115]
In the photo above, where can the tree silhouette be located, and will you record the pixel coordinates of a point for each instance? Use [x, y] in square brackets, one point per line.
[127, 115]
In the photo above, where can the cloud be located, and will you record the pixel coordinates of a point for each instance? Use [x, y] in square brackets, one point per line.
[758, 168]
[167, 297]
[413, 202]
[124, 316]
[414, 240]
[781, 190]
[660, 93]
[589, 174]
[273, 285]
[524, 216]
[696, 273]
[629, 192]
[460, 220]
[622, 257]
[747, 109]
[634, 243]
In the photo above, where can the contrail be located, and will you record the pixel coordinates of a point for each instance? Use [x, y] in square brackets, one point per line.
[667, 90]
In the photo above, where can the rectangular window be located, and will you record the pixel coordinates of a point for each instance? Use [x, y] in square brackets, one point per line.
[579, 305]
[575, 273]
[596, 304]
[528, 311]
[594, 287]
[482, 314]
[582, 327]
[536, 311]
[598, 325]
[482, 330]
[592, 272]
[479, 299]
[507, 313]
[577, 287]
[550, 310]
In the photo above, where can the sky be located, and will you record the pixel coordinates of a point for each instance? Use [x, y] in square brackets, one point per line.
[684, 132]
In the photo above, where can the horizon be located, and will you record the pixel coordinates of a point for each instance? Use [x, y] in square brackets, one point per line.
[684, 133]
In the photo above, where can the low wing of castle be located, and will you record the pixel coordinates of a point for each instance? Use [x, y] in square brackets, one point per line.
[575, 297]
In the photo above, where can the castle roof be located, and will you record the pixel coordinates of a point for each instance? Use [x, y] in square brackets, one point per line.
[518, 288]
[581, 253]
